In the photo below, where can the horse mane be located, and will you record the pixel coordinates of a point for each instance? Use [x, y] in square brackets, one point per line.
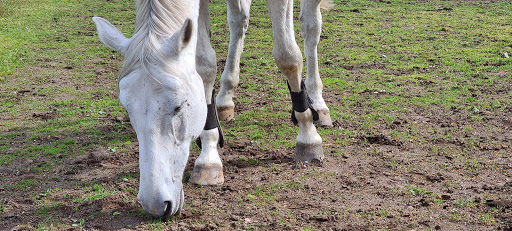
[155, 21]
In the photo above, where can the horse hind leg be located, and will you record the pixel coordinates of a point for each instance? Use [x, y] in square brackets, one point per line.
[310, 24]
[208, 166]
[238, 20]
[289, 60]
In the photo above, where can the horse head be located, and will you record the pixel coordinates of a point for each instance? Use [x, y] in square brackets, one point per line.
[164, 96]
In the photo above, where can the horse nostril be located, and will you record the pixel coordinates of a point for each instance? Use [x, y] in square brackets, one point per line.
[167, 214]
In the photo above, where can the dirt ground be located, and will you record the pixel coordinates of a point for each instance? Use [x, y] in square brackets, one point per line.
[445, 177]
[376, 183]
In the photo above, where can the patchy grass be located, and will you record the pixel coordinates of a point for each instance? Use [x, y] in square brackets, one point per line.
[419, 91]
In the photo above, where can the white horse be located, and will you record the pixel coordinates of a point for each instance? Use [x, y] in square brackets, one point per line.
[166, 86]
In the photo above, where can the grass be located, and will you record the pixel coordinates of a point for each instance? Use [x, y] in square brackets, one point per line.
[2, 205]
[25, 184]
[395, 61]
[421, 73]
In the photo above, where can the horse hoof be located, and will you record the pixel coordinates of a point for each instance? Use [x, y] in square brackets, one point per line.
[309, 152]
[207, 175]
[226, 114]
[324, 118]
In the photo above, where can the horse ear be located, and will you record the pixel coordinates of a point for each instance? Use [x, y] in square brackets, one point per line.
[110, 35]
[179, 40]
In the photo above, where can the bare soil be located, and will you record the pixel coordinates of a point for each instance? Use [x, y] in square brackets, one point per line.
[375, 183]
[445, 177]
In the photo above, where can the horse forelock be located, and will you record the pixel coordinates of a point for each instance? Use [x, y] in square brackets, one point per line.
[155, 21]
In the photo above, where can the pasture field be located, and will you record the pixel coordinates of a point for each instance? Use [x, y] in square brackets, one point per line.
[420, 93]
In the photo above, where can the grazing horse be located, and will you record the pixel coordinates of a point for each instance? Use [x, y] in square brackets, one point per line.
[166, 86]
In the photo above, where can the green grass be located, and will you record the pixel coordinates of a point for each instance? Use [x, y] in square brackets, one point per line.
[25, 184]
[391, 45]
[391, 68]
[95, 192]
[41, 33]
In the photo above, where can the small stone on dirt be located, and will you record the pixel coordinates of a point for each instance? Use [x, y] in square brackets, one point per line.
[446, 197]
[97, 155]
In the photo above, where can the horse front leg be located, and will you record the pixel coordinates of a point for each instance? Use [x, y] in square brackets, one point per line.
[208, 166]
[289, 60]
[310, 20]
[238, 20]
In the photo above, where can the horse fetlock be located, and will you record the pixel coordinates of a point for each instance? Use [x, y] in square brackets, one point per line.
[230, 78]
[305, 118]
[324, 117]
[207, 174]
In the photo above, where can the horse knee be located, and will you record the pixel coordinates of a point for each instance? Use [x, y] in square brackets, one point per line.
[239, 19]
[310, 25]
[288, 59]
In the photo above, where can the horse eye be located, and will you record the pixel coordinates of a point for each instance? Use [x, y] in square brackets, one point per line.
[177, 109]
